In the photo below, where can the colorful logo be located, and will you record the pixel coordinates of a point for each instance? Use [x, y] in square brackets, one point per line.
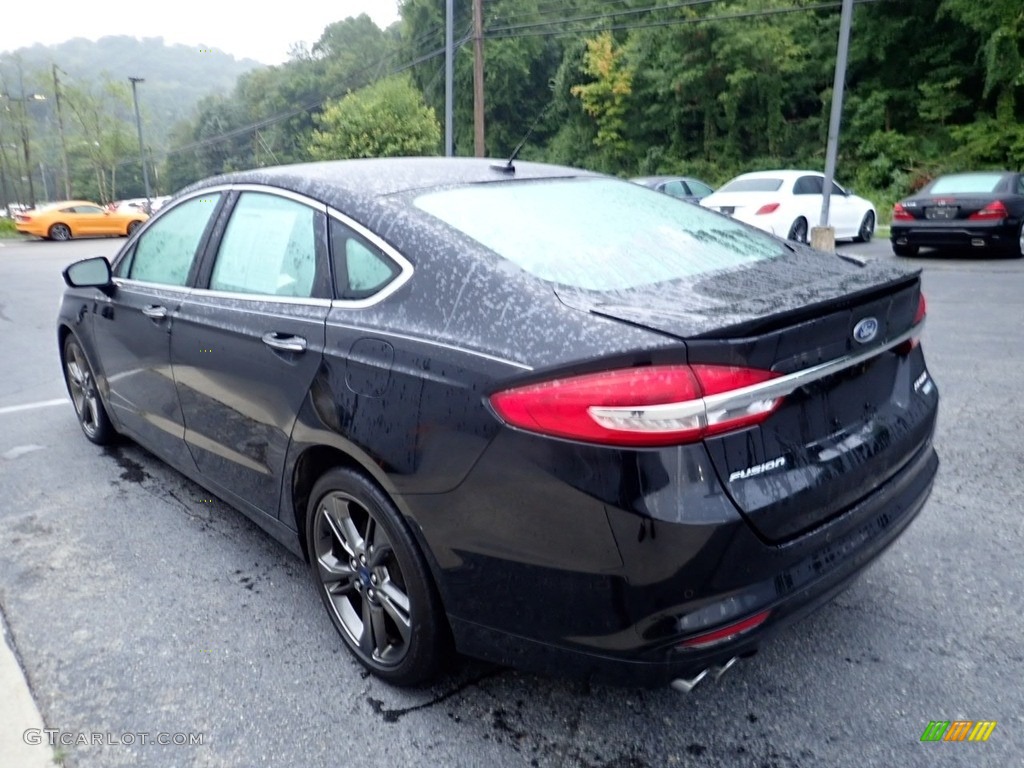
[958, 730]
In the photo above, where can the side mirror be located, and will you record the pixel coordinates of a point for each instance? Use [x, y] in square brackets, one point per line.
[89, 273]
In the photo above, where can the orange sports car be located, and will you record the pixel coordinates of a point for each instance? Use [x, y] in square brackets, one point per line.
[77, 218]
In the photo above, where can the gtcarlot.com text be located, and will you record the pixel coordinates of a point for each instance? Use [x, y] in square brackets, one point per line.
[56, 738]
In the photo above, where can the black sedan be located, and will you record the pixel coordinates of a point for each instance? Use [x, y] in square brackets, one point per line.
[981, 211]
[684, 187]
[527, 413]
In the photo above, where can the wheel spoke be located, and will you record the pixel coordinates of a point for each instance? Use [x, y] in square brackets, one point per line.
[380, 554]
[374, 639]
[332, 570]
[396, 604]
[90, 414]
[336, 514]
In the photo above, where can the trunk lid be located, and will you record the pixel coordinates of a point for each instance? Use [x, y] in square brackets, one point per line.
[950, 207]
[834, 439]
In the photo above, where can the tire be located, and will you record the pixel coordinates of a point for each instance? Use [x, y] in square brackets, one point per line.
[1018, 252]
[132, 226]
[374, 581]
[59, 232]
[905, 250]
[81, 384]
[798, 232]
[867, 228]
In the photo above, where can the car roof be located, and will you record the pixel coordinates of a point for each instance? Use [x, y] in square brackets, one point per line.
[783, 174]
[340, 182]
[65, 204]
[655, 179]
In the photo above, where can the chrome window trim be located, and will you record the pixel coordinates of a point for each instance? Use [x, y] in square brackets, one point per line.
[127, 282]
[430, 342]
[405, 266]
[701, 409]
[264, 297]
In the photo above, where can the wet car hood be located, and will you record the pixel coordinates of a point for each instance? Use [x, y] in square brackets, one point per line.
[736, 302]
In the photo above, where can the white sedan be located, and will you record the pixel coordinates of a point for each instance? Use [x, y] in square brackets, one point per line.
[788, 204]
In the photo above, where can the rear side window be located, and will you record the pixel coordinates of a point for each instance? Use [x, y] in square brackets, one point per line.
[809, 185]
[360, 268]
[753, 185]
[164, 254]
[596, 233]
[269, 247]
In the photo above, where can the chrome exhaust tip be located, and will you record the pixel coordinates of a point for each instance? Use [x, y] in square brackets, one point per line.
[977, 242]
[685, 685]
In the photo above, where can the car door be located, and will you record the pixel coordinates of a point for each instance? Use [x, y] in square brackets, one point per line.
[133, 324]
[90, 220]
[844, 212]
[249, 341]
[807, 198]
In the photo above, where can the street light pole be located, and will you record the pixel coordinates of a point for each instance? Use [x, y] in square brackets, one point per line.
[142, 150]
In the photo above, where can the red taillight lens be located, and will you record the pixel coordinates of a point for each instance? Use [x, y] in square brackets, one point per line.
[922, 311]
[991, 212]
[767, 208]
[726, 633]
[650, 406]
[899, 213]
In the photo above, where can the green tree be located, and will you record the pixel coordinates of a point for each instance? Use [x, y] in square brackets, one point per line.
[387, 119]
[605, 97]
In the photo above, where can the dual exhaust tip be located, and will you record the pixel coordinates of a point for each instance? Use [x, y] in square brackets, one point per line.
[685, 685]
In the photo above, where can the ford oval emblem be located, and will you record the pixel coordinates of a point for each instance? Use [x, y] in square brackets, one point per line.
[865, 330]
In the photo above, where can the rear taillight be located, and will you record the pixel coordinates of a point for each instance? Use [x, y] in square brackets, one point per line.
[922, 311]
[992, 212]
[899, 213]
[767, 208]
[725, 634]
[649, 406]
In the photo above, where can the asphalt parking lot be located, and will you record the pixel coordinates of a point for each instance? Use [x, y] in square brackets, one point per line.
[138, 604]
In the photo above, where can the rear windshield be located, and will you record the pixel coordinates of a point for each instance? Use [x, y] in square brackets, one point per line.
[966, 182]
[752, 185]
[597, 234]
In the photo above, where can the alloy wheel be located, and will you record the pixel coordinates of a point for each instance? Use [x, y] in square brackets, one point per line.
[361, 578]
[83, 390]
[60, 232]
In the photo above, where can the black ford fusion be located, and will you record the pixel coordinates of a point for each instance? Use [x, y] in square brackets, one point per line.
[527, 413]
[981, 211]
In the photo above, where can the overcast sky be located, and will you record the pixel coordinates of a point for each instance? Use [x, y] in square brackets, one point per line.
[253, 29]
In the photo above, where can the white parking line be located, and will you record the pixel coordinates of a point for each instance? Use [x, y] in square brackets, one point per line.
[31, 406]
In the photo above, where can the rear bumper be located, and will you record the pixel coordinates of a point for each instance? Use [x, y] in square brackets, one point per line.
[995, 236]
[618, 605]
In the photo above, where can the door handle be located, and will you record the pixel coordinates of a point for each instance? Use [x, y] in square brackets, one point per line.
[284, 343]
[155, 312]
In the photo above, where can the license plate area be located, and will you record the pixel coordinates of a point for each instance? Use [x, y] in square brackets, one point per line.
[942, 212]
[728, 209]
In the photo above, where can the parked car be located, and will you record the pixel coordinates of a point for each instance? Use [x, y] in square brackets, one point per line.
[978, 211]
[77, 218]
[788, 204]
[685, 188]
[531, 413]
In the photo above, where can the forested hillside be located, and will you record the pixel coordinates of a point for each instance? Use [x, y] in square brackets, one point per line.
[97, 112]
[707, 87]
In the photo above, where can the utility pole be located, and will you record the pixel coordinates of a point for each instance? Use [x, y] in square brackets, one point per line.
[478, 78]
[24, 137]
[449, 78]
[823, 236]
[63, 140]
[142, 147]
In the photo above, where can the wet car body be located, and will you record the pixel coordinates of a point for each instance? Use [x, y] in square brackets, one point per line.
[634, 563]
[981, 211]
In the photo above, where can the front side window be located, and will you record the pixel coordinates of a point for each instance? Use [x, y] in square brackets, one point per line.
[269, 247]
[701, 190]
[597, 234]
[164, 254]
[675, 188]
